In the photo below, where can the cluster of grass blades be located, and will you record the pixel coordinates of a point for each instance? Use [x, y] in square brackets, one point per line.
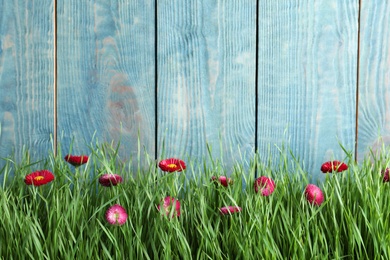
[66, 218]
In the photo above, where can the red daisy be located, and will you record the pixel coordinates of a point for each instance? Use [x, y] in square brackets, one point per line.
[109, 180]
[333, 166]
[223, 180]
[265, 185]
[76, 160]
[314, 195]
[39, 178]
[229, 210]
[116, 215]
[172, 165]
[386, 177]
[167, 204]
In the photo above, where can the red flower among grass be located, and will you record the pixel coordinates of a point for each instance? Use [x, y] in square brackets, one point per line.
[39, 178]
[229, 210]
[76, 160]
[110, 179]
[265, 185]
[223, 180]
[116, 215]
[172, 165]
[333, 166]
[167, 204]
[386, 177]
[314, 195]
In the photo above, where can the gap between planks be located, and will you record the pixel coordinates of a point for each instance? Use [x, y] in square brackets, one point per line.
[55, 77]
[357, 81]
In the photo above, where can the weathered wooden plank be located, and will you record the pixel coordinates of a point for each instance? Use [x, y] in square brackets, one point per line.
[26, 78]
[106, 74]
[307, 79]
[206, 72]
[374, 80]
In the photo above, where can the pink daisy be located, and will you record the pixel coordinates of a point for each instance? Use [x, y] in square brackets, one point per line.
[109, 180]
[386, 177]
[116, 215]
[314, 194]
[229, 210]
[167, 204]
[223, 180]
[265, 185]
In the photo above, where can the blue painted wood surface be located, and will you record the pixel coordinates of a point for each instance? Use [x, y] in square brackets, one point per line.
[106, 74]
[206, 86]
[374, 87]
[307, 79]
[206, 61]
[26, 78]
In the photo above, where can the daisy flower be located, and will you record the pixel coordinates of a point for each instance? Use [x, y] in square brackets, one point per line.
[333, 166]
[172, 165]
[39, 178]
[229, 210]
[265, 185]
[109, 180]
[167, 204]
[76, 160]
[386, 177]
[223, 180]
[116, 215]
[314, 195]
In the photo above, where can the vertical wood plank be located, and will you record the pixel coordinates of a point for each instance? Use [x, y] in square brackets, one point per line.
[374, 80]
[26, 78]
[206, 72]
[106, 74]
[307, 79]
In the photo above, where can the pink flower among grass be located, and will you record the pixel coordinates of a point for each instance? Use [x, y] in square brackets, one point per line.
[76, 160]
[264, 185]
[229, 210]
[110, 179]
[172, 165]
[385, 173]
[314, 195]
[39, 178]
[167, 205]
[116, 215]
[333, 166]
[223, 180]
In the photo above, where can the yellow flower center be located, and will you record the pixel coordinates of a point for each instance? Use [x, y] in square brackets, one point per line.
[116, 214]
[38, 178]
[172, 165]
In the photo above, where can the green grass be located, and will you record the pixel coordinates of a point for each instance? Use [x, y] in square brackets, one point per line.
[65, 218]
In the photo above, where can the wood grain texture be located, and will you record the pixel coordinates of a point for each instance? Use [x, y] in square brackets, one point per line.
[106, 74]
[26, 78]
[374, 80]
[206, 72]
[307, 79]
[206, 77]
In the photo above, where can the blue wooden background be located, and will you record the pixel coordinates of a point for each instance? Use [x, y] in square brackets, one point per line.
[239, 75]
